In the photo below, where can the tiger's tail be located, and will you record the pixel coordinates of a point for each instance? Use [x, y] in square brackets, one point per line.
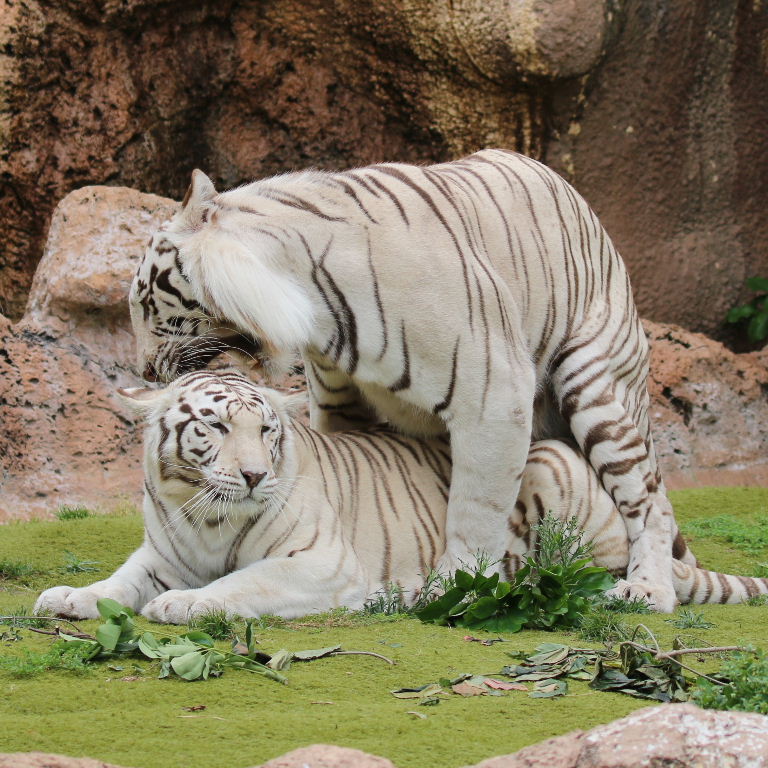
[697, 585]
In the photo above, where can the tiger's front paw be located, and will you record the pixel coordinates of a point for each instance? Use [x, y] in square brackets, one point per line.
[69, 602]
[658, 597]
[180, 606]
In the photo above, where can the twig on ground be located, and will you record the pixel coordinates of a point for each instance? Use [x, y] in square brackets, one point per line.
[362, 653]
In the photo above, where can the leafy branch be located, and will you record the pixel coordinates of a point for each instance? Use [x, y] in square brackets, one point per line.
[553, 589]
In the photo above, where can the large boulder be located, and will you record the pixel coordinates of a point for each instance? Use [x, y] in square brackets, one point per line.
[655, 111]
[327, 756]
[65, 438]
[47, 760]
[673, 735]
[709, 409]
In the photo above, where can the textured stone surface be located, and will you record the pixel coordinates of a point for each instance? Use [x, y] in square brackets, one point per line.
[64, 439]
[674, 735]
[654, 110]
[328, 756]
[96, 239]
[46, 760]
[709, 409]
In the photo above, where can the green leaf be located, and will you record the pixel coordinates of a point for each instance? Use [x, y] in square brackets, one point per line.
[424, 692]
[111, 609]
[108, 635]
[439, 608]
[315, 654]
[199, 637]
[464, 580]
[148, 645]
[280, 660]
[482, 608]
[189, 666]
[547, 689]
[758, 284]
[757, 329]
[502, 589]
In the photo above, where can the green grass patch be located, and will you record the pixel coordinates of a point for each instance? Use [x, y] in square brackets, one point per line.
[72, 513]
[121, 713]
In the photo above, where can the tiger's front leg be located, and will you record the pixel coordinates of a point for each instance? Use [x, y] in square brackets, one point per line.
[142, 577]
[489, 446]
[308, 582]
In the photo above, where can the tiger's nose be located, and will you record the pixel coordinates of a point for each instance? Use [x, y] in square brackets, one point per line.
[252, 479]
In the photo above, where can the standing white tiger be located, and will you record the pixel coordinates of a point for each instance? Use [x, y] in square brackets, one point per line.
[481, 297]
[250, 512]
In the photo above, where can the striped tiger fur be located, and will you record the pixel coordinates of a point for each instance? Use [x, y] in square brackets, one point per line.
[481, 297]
[250, 512]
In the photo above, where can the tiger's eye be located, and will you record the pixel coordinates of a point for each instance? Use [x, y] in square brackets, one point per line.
[265, 428]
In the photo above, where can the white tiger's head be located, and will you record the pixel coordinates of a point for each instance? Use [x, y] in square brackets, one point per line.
[217, 439]
[210, 282]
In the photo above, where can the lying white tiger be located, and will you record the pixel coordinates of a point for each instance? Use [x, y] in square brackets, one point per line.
[481, 297]
[251, 512]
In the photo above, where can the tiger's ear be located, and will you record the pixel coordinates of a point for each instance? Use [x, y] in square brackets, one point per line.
[200, 192]
[291, 404]
[295, 403]
[141, 399]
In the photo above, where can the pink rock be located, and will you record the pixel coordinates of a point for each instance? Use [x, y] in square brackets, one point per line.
[679, 735]
[328, 756]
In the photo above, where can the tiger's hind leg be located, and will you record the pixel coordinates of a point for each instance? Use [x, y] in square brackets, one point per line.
[600, 387]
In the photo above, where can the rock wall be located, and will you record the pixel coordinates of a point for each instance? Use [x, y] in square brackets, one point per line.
[653, 109]
[66, 440]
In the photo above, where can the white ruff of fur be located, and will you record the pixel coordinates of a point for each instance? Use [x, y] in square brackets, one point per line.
[239, 274]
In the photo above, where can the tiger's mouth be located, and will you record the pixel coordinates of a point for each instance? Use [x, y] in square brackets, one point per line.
[197, 352]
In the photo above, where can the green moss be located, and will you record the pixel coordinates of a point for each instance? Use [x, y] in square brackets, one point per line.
[248, 720]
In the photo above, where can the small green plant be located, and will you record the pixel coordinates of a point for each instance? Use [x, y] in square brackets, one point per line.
[17, 570]
[623, 605]
[60, 657]
[753, 314]
[216, 624]
[391, 600]
[689, 619]
[552, 589]
[761, 571]
[757, 600]
[75, 564]
[742, 683]
[388, 601]
[72, 513]
[603, 625]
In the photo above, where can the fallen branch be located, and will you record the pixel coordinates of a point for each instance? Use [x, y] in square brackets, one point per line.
[709, 649]
[362, 653]
[38, 618]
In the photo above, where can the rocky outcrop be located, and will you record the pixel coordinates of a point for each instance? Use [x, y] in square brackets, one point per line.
[709, 409]
[653, 109]
[679, 735]
[47, 760]
[328, 756]
[65, 439]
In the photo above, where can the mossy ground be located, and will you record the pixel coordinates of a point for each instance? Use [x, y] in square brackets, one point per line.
[341, 700]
